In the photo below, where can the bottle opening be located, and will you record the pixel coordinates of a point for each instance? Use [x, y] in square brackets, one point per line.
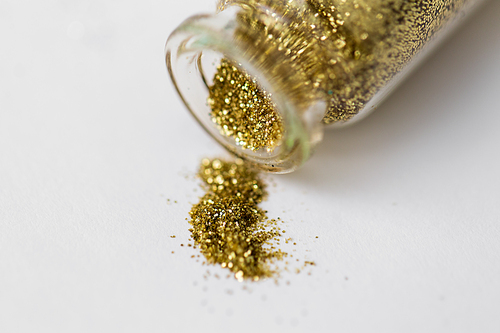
[234, 101]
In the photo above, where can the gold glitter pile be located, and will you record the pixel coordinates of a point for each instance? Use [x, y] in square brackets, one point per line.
[227, 225]
[340, 51]
[242, 110]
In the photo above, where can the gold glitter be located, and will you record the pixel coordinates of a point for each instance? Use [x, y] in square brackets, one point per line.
[242, 110]
[227, 225]
[339, 51]
[236, 178]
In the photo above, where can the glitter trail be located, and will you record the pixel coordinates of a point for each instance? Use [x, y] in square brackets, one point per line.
[227, 225]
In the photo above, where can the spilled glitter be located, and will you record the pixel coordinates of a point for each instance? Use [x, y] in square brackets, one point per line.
[228, 227]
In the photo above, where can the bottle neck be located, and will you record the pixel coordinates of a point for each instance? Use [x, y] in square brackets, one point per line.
[196, 48]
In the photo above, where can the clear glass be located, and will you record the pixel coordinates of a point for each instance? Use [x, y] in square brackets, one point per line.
[320, 83]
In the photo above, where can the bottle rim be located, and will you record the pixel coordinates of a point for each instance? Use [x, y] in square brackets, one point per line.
[194, 49]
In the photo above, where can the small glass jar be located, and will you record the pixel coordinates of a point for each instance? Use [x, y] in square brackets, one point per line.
[321, 62]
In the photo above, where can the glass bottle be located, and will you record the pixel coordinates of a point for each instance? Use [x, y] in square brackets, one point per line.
[320, 62]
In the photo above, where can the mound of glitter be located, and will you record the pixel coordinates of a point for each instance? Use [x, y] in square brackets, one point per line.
[242, 110]
[227, 225]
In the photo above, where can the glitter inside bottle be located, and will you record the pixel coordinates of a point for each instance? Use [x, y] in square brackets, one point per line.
[264, 77]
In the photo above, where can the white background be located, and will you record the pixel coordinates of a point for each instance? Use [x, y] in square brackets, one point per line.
[93, 141]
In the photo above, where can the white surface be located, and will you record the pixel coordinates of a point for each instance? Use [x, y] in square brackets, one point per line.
[93, 140]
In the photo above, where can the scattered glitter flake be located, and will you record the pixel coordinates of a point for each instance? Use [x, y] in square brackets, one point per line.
[173, 236]
[227, 225]
[242, 110]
